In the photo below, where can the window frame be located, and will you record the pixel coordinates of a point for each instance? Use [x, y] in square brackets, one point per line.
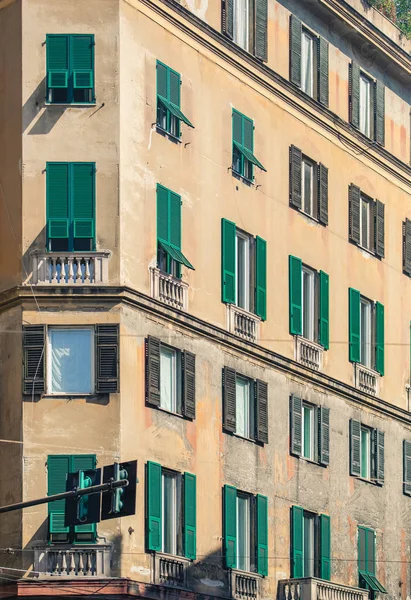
[314, 301]
[367, 473]
[313, 213]
[370, 343]
[177, 525]
[177, 400]
[251, 409]
[370, 204]
[371, 100]
[315, 543]
[249, 26]
[307, 407]
[314, 40]
[252, 533]
[249, 258]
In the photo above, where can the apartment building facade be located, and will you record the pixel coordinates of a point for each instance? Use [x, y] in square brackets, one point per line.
[205, 266]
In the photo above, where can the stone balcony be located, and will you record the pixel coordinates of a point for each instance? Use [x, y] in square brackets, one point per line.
[367, 380]
[85, 560]
[168, 289]
[310, 588]
[308, 353]
[243, 323]
[245, 585]
[169, 570]
[70, 268]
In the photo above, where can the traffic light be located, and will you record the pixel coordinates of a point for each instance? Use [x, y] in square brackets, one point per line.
[84, 509]
[120, 502]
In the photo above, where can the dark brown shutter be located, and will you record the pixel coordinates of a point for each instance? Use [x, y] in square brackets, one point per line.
[407, 468]
[295, 50]
[188, 363]
[379, 210]
[379, 444]
[261, 403]
[323, 71]
[406, 253]
[323, 194]
[153, 346]
[296, 158]
[107, 358]
[354, 213]
[324, 435]
[354, 93]
[355, 447]
[227, 17]
[379, 113]
[296, 425]
[33, 359]
[229, 399]
[261, 17]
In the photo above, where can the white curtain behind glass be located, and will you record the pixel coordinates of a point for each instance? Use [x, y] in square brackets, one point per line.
[242, 402]
[307, 64]
[167, 379]
[365, 106]
[241, 22]
[71, 367]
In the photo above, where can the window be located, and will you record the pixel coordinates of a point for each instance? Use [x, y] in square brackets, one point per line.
[58, 466]
[243, 16]
[245, 531]
[245, 406]
[366, 222]
[245, 22]
[308, 61]
[366, 332]
[169, 115]
[367, 104]
[244, 269]
[171, 511]
[311, 544]
[309, 302]
[366, 452]
[169, 255]
[170, 378]
[70, 207]
[309, 431]
[308, 186]
[70, 69]
[243, 147]
[77, 360]
[309, 179]
[366, 562]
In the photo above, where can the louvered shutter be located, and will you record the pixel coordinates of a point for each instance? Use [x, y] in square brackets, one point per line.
[161, 76]
[379, 338]
[82, 61]
[107, 358]
[261, 278]
[296, 158]
[296, 425]
[324, 435]
[33, 359]
[322, 194]
[190, 516]
[83, 462]
[354, 93]
[406, 256]
[175, 83]
[83, 199]
[354, 325]
[325, 547]
[230, 526]
[163, 215]
[379, 462]
[237, 125]
[261, 18]
[228, 17]
[57, 61]
[57, 192]
[154, 503]
[354, 194]
[228, 274]
[370, 551]
[175, 220]
[295, 293]
[379, 229]
[324, 311]
[297, 562]
[189, 384]
[229, 393]
[407, 468]
[262, 535]
[355, 448]
[323, 93]
[152, 348]
[295, 50]
[57, 468]
[379, 113]
[261, 403]
[248, 133]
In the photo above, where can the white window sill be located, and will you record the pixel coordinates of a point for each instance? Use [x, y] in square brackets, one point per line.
[247, 439]
[170, 412]
[74, 104]
[311, 218]
[70, 395]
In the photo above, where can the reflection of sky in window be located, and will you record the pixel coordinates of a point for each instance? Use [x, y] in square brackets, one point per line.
[71, 368]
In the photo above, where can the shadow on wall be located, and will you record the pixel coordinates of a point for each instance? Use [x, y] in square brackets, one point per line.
[38, 243]
[48, 118]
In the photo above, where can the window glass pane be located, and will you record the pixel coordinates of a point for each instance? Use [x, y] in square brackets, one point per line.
[243, 533]
[243, 271]
[365, 230]
[243, 407]
[241, 23]
[308, 432]
[169, 513]
[71, 353]
[167, 383]
[308, 303]
[308, 545]
[365, 105]
[365, 453]
[307, 187]
[307, 64]
[365, 318]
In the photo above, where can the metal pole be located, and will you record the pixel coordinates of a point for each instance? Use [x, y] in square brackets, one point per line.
[76, 493]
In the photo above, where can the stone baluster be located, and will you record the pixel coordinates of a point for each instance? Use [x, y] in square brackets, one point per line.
[63, 564]
[70, 563]
[87, 270]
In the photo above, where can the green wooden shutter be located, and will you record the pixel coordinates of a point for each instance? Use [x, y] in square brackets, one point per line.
[379, 338]
[322, 194]
[379, 113]
[161, 71]
[355, 448]
[323, 93]
[324, 311]
[33, 359]
[190, 512]
[324, 435]
[296, 158]
[297, 551]
[370, 551]
[296, 425]
[262, 535]
[261, 278]
[82, 61]
[248, 134]
[237, 127]
[379, 229]
[354, 197]
[152, 348]
[57, 61]
[57, 193]
[154, 507]
[83, 199]
[407, 468]
[174, 87]
[325, 547]
[57, 468]
[295, 50]
[362, 549]
[162, 213]
[228, 275]
[354, 93]
[261, 18]
[230, 526]
[83, 462]
[295, 291]
[406, 253]
[175, 220]
[354, 325]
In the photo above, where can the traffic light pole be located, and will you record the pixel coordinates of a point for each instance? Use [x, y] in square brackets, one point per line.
[75, 493]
